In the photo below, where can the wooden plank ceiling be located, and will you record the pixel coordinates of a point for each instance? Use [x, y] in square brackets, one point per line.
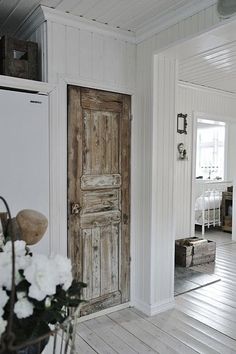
[129, 15]
[215, 68]
[210, 59]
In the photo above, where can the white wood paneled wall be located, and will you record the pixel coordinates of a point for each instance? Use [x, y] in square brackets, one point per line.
[190, 99]
[158, 172]
[163, 181]
[146, 292]
[90, 56]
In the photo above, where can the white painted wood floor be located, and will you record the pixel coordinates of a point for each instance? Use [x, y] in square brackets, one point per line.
[203, 321]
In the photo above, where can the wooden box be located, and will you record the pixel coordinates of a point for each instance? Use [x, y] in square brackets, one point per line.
[226, 214]
[194, 251]
[18, 58]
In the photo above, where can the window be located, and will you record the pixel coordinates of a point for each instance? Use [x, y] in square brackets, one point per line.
[210, 159]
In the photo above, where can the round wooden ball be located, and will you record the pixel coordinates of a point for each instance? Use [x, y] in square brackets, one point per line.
[32, 224]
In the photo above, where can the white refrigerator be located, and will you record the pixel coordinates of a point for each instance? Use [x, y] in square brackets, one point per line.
[24, 155]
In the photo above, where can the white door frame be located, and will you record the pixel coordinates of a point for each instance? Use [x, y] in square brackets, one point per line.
[59, 168]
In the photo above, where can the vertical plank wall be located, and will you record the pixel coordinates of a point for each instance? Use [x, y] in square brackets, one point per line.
[143, 146]
[189, 99]
[163, 180]
[93, 57]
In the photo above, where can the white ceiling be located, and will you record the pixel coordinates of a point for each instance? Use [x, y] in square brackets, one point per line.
[210, 59]
[214, 68]
[129, 15]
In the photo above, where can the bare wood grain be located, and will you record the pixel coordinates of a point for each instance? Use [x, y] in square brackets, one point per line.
[101, 100]
[104, 163]
[108, 142]
[96, 262]
[99, 200]
[100, 181]
[87, 149]
[95, 143]
[87, 262]
[109, 258]
[114, 250]
[115, 133]
[101, 303]
[75, 134]
[125, 132]
[106, 242]
[100, 219]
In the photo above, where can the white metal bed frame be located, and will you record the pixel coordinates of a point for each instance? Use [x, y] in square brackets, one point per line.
[211, 216]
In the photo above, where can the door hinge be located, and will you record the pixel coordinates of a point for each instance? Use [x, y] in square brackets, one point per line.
[130, 259]
[131, 117]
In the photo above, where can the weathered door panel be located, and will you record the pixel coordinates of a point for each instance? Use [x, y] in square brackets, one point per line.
[99, 182]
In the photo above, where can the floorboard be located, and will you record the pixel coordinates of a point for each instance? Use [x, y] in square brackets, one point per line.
[203, 321]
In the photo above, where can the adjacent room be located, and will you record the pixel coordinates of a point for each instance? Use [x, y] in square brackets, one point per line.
[205, 165]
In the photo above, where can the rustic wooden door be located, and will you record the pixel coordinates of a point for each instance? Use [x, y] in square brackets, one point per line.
[99, 194]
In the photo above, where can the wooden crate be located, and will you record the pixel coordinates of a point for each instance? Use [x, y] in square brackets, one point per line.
[190, 252]
[18, 58]
[226, 217]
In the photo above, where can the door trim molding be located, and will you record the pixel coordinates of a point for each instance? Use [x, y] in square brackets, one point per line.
[58, 166]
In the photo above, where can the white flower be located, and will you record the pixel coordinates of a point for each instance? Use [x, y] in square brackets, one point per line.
[42, 275]
[2, 238]
[63, 266]
[47, 302]
[3, 298]
[19, 248]
[3, 325]
[20, 295]
[23, 308]
[6, 265]
[22, 262]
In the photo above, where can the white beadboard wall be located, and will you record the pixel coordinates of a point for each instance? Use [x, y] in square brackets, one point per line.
[113, 63]
[191, 99]
[144, 148]
[90, 56]
[163, 178]
[84, 55]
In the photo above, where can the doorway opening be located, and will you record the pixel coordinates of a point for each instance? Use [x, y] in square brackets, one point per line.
[212, 188]
[206, 96]
[99, 133]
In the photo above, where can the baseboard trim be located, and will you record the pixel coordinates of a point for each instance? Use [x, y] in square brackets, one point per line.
[104, 312]
[151, 310]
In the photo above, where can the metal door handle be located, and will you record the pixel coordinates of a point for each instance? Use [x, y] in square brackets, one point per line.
[75, 208]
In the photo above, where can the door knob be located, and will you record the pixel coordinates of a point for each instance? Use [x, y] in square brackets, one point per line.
[75, 208]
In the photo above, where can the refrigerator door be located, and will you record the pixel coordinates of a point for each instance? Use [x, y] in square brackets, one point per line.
[24, 154]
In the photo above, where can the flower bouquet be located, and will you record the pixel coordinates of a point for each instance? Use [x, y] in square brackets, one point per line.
[43, 292]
